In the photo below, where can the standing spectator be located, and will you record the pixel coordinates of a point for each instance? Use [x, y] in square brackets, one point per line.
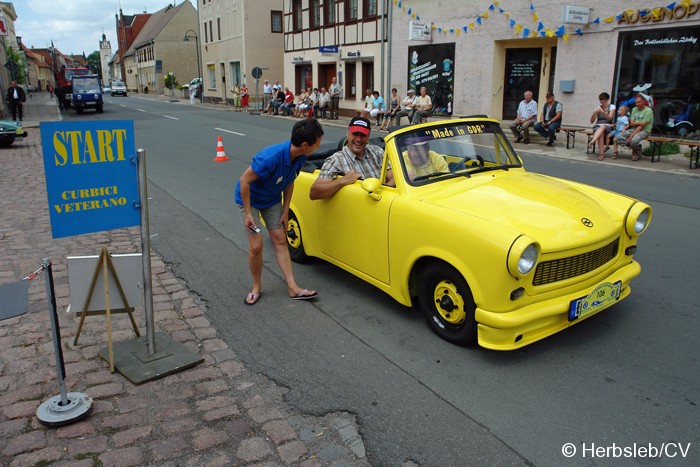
[267, 94]
[527, 113]
[50, 89]
[324, 101]
[244, 97]
[602, 118]
[265, 189]
[407, 105]
[60, 96]
[391, 111]
[423, 106]
[550, 119]
[15, 98]
[641, 122]
[335, 90]
[236, 91]
[276, 87]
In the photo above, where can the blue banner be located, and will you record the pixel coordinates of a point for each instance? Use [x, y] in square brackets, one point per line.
[91, 176]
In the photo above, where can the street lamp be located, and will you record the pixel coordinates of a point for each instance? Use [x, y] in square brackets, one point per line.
[199, 60]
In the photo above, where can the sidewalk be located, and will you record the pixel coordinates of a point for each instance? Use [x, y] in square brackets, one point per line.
[216, 414]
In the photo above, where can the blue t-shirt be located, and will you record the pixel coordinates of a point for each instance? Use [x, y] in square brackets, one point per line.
[275, 171]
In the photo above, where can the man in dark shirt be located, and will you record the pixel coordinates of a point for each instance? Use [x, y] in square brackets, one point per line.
[15, 98]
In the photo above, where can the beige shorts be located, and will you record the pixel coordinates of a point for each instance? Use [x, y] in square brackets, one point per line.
[271, 217]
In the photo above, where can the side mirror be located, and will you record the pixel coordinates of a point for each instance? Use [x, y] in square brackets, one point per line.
[371, 185]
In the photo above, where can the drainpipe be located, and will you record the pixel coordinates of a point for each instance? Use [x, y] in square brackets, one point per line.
[388, 52]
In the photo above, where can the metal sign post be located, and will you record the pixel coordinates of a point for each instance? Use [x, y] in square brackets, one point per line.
[257, 74]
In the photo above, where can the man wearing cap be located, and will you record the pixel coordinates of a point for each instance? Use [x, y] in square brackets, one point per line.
[550, 119]
[357, 160]
[421, 160]
[406, 107]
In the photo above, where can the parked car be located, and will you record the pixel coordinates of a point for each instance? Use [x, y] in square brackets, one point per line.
[118, 87]
[11, 131]
[489, 252]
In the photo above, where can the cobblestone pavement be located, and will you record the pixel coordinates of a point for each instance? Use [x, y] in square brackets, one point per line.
[217, 413]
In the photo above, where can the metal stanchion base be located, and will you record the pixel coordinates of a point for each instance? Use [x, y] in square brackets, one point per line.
[131, 358]
[52, 413]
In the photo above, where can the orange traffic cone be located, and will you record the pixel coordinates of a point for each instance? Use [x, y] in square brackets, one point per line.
[220, 154]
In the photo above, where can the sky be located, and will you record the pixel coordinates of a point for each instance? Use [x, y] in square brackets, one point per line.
[76, 26]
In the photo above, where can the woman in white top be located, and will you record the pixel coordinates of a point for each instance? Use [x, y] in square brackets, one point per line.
[602, 119]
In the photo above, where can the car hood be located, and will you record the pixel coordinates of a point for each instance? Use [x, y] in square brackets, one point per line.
[551, 211]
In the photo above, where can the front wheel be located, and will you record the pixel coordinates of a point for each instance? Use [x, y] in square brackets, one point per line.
[447, 304]
[100, 109]
[294, 243]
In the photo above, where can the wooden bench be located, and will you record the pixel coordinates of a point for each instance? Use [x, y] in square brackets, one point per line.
[571, 131]
[693, 145]
[656, 142]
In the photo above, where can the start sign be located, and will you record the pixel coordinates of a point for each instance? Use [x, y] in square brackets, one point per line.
[91, 176]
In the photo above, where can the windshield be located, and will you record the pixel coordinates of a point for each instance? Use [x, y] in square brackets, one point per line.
[452, 150]
[86, 85]
[118, 84]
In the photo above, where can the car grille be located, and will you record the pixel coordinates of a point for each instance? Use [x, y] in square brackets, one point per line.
[565, 268]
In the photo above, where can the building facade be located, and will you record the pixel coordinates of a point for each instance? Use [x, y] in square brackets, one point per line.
[236, 36]
[159, 49]
[345, 39]
[483, 59]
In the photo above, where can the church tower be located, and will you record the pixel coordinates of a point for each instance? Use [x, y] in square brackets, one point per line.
[105, 56]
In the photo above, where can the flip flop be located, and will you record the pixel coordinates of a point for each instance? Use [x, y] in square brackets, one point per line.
[305, 294]
[252, 296]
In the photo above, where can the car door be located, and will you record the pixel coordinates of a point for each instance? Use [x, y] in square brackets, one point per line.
[353, 230]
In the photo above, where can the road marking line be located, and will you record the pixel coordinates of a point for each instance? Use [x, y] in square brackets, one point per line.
[121, 105]
[168, 116]
[229, 131]
[140, 110]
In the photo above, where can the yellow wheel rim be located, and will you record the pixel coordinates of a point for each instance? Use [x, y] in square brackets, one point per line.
[449, 303]
[293, 233]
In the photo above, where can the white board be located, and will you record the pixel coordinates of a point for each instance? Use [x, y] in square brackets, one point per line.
[81, 269]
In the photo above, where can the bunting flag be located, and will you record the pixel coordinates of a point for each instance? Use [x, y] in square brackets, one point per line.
[526, 32]
[540, 26]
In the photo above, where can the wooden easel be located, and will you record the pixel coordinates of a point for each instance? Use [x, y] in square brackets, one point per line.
[104, 262]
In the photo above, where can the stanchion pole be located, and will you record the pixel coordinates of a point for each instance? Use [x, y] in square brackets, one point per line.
[146, 253]
[57, 349]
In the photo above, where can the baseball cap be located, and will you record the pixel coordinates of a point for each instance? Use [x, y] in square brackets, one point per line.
[417, 140]
[360, 124]
[411, 91]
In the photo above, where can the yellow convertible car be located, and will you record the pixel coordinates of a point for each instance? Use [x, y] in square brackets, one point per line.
[487, 250]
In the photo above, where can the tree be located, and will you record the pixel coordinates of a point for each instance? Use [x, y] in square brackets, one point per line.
[14, 56]
[95, 63]
[171, 81]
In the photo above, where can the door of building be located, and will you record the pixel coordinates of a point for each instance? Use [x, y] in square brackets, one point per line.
[303, 78]
[326, 72]
[522, 74]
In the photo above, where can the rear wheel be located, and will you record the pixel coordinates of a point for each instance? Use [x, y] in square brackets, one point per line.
[296, 247]
[447, 304]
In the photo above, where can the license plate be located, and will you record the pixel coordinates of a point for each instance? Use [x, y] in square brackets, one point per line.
[19, 131]
[601, 297]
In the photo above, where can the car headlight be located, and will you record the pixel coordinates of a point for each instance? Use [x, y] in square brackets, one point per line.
[97, 96]
[523, 256]
[638, 219]
[78, 97]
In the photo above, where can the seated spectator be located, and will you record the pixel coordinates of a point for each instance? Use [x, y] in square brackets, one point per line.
[313, 103]
[288, 105]
[276, 103]
[524, 119]
[602, 118]
[378, 107]
[423, 105]
[641, 123]
[323, 104]
[391, 111]
[369, 104]
[301, 103]
[623, 123]
[407, 105]
[550, 119]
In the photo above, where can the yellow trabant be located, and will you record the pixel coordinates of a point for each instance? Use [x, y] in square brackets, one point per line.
[488, 251]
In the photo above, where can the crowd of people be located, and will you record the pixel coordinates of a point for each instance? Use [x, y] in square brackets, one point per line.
[620, 128]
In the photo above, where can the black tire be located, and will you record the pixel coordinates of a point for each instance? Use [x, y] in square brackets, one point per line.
[100, 109]
[294, 239]
[79, 110]
[124, 94]
[7, 143]
[112, 94]
[684, 129]
[447, 304]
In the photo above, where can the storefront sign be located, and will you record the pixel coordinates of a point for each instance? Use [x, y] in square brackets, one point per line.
[575, 14]
[418, 31]
[432, 66]
[328, 49]
[353, 54]
[665, 41]
[656, 15]
[91, 176]
[297, 59]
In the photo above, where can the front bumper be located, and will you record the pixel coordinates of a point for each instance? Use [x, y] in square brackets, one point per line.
[515, 329]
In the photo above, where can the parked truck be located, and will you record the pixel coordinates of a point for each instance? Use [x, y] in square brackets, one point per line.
[64, 79]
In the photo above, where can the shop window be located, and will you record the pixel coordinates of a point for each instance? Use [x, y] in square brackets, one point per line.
[276, 21]
[314, 13]
[369, 8]
[350, 81]
[668, 60]
[236, 72]
[218, 28]
[328, 12]
[206, 36]
[297, 17]
[350, 10]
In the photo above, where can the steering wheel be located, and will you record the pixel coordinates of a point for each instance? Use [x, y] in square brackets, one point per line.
[471, 162]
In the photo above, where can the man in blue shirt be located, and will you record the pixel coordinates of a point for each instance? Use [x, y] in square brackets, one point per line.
[259, 193]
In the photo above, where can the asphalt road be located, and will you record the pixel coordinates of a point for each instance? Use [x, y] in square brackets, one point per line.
[629, 375]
